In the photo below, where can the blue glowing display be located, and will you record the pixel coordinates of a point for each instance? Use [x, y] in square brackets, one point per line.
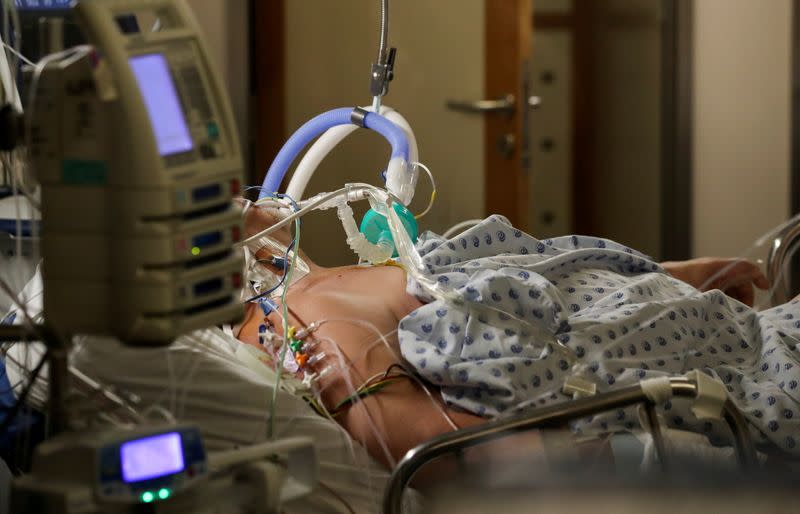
[160, 97]
[151, 457]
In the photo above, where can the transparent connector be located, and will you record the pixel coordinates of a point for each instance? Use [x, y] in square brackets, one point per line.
[401, 179]
[372, 253]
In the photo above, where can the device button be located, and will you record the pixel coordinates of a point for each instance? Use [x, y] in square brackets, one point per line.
[207, 151]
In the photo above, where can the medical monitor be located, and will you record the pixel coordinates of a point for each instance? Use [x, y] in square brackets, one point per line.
[35, 41]
[163, 106]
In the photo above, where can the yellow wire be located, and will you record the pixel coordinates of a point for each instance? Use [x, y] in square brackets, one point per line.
[428, 208]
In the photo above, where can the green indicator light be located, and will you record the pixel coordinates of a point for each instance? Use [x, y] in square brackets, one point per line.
[213, 130]
[148, 497]
[195, 251]
[164, 493]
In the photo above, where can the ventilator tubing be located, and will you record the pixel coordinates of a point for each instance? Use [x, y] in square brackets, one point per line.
[400, 176]
[330, 139]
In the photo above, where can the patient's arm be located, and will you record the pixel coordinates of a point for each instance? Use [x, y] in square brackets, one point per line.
[735, 277]
[399, 417]
[402, 415]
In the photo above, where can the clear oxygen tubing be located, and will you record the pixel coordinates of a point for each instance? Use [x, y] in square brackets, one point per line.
[375, 253]
[330, 139]
[381, 202]
[398, 170]
[460, 227]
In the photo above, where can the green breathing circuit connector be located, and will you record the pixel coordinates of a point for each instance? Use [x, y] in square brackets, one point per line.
[375, 226]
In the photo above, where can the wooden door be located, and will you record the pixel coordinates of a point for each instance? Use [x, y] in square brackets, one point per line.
[507, 159]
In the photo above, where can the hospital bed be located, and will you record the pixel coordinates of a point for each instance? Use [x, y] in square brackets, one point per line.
[648, 394]
[372, 246]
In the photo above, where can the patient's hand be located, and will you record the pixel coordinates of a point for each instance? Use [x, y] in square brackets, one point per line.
[735, 277]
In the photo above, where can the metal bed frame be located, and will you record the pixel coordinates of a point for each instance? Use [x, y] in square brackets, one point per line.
[783, 247]
[453, 442]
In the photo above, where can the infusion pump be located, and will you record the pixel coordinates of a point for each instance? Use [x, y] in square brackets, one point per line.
[136, 150]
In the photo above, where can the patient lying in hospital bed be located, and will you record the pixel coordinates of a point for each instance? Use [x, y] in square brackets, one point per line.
[354, 306]
[533, 313]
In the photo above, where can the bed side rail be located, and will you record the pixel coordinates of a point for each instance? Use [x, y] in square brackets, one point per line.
[557, 414]
[783, 247]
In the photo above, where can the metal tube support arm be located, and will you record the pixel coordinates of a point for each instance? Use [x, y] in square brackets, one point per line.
[782, 249]
[58, 367]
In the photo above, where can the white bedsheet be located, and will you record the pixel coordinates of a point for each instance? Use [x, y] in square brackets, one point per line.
[201, 381]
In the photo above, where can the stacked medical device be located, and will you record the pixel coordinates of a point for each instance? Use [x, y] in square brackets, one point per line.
[138, 160]
[135, 151]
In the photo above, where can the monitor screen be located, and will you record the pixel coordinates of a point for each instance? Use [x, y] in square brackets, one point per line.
[163, 105]
[151, 457]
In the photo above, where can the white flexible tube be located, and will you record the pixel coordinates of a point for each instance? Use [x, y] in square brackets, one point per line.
[330, 139]
[228, 458]
[459, 227]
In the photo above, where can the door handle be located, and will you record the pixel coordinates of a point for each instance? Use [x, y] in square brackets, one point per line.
[506, 105]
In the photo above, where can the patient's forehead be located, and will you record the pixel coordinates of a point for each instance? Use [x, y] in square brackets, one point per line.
[259, 217]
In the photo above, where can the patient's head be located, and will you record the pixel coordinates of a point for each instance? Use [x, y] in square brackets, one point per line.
[260, 217]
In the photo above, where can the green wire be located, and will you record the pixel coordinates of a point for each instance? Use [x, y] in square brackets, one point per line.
[279, 367]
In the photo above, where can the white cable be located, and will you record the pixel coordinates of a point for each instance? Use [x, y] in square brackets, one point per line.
[158, 409]
[6, 20]
[433, 192]
[22, 307]
[359, 401]
[17, 37]
[17, 214]
[400, 361]
[8, 79]
[17, 54]
[226, 459]
[180, 408]
[17, 164]
[460, 227]
[290, 218]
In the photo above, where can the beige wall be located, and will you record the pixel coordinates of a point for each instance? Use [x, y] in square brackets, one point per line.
[741, 122]
[627, 123]
[330, 47]
[225, 28]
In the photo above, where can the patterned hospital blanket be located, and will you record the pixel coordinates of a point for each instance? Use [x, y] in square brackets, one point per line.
[536, 312]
